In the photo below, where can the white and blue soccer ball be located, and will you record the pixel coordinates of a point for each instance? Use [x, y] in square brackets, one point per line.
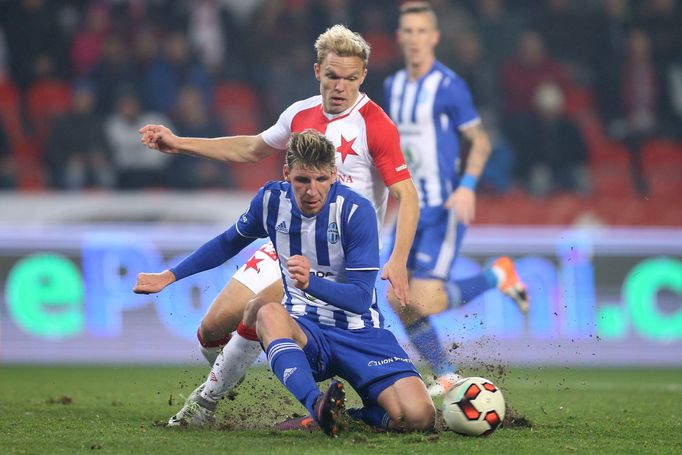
[473, 407]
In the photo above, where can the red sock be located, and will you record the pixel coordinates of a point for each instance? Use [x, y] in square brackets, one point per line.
[246, 332]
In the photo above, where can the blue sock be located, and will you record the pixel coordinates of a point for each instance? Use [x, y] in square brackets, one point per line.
[374, 416]
[425, 339]
[291, 367]
[461, 292]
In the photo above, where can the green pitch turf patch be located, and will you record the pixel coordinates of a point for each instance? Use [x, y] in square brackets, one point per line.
[123, 409]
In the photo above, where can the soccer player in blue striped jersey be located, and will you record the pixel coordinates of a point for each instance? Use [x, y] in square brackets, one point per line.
[328, 323]
[433, 109]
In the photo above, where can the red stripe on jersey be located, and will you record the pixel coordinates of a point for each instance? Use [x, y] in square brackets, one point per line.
[384, 144]
[310, 118]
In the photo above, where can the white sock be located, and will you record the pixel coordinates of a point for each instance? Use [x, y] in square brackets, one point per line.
[230, 367]
[211, 354]
[499, 274]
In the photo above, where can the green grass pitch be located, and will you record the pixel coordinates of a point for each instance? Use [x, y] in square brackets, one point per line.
[123, 409]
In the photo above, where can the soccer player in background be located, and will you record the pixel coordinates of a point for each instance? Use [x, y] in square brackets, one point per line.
[328, 322]
[433, 108]
[368, 159]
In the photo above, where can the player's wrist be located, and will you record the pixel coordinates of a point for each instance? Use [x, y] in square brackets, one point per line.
[469, 181]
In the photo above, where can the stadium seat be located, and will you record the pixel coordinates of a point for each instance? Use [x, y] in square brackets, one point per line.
[579, 101]
[45, 101]
[31, 172]
[612, 181]
[10, 112]
[662, 163]
[250, 177]
[237, 106]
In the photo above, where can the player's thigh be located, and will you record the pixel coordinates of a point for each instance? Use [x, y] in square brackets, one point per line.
[274, 322]
[227, 308]
[438, 246]
[408, 403]
[272, 293]
[252, 278]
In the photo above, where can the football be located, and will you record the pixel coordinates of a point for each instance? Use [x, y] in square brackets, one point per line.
[473, 407]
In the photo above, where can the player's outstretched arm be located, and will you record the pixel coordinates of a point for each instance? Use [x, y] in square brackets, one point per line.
[151, 283]
[236, 149]
[395, 269]
[463, 199]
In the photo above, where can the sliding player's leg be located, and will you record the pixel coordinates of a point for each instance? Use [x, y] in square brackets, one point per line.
[224, 314]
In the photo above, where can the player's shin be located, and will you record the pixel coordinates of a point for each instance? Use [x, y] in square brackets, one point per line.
[230, 367]
[289, 363]
[461, 292]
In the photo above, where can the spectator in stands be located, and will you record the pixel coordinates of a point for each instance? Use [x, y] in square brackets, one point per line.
[554, 155]
[614, 19]
[206, 33]
[521, 76]
[4, 60]
[113, 73]
[31, 28]
[88, 43]
[134, 168]
[77, 154]
[173, 69]
[569, 34]
[469, 62]
[8, 164]
[499, 29]
[662, 21]
[640, 102]
[192, 118]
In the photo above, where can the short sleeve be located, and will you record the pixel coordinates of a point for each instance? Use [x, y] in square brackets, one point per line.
[459, 102]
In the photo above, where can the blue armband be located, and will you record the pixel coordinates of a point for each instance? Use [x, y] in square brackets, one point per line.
[469, 181]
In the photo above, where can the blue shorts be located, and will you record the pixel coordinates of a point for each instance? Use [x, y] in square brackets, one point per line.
[436, 243]
[369, 359]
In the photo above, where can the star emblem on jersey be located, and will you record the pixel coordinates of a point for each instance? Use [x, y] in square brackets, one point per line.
[252, 264]
[346, 148]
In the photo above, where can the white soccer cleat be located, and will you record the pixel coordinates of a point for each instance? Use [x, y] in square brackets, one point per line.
[443, 383]
[192, 413]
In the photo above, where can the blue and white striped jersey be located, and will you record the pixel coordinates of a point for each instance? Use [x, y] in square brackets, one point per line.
[342, 236]
[429, 112]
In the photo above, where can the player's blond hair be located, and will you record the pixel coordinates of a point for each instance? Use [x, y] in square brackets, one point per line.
[419, 7]
[311, 150]
[343, 42]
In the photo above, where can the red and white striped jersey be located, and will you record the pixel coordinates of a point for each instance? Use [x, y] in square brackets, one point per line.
[368, 157]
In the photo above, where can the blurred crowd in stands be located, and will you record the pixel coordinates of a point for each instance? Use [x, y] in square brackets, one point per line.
[581, 96]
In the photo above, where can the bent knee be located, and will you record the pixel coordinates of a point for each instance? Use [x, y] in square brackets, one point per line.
[420, 418]
[268, 313]
[251, 311]
[212, 327]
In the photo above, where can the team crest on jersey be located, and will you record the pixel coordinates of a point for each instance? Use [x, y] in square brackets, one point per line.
[333, 232]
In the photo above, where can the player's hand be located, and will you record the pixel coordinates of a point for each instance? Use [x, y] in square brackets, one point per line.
[150, 283]
[299, 270]
[160, 138]
[397, 275]
[463, 201]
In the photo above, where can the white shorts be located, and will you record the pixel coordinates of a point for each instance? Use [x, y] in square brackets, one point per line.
[261, 270]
